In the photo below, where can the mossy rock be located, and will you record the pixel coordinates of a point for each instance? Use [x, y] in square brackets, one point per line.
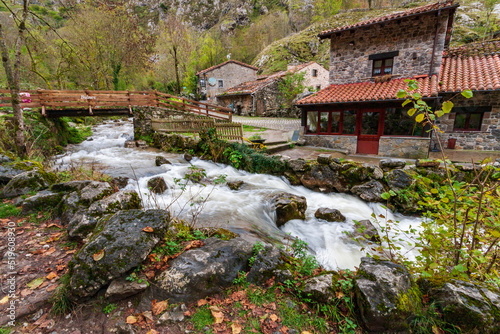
[27, 182]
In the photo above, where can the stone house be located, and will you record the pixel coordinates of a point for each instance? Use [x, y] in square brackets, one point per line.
[261, 97]
[217, 79]
[369, 63]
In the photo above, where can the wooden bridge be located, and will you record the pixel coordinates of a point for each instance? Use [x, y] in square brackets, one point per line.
[76, 103]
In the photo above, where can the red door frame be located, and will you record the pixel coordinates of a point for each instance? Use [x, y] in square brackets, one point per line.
[368, 144]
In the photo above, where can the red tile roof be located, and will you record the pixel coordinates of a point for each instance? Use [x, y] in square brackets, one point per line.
[370, 91]
[434, 7]
[227, 62]
[473, 66]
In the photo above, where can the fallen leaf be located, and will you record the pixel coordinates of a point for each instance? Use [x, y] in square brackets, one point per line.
[202, 302]
[305, 332]
[187, 313]
[150, 274]
[236, 328]
[152, 331]
[38, 251]
[131, 319]
[437, 330]
[99, 255]
[71, 251]
[36, 283]
[50, 251]
[54, 225]
[159, 307]
[61, 267]
[148, 229]
[148, 315]
[273, 317]
[217, 314]
[339, 294]
[52, 275]
[4, 300]
[52, 287]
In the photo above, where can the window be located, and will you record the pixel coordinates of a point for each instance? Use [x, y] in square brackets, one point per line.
[221, 83]
[468, 122]
[312, 122]
[325, 122]
[382, 66]
[203, 84]
[399, 123]
[314, 72]
[318, 87]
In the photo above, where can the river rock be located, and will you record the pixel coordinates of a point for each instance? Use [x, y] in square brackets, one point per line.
[121, 245]
[188, 157]
[265, 264]
[322, 177]
[122, 200]
[366, 230]
[385, 295]
[370, 191]
[70, 186]
[141, 144]
[202, 272]
[388, 164]
[159, 160]
[7, 173]
[298, 165]
[122, 288]
[42, 200]
[324, 159]
[236, 185]
[130, 144]
[320, 288]
[427, 163]
[94, 191]
[26, 182]
[330, 215]
[81, 224]
[157, 185]
[287, 207]
[119, 182]
[398, 179]
[471, 306]
[68, 207]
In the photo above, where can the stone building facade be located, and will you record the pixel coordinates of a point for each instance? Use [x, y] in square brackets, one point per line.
[219, 78]
[316, 77]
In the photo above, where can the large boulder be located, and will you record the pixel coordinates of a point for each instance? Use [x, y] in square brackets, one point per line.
[298, 165]
[370, 191]
[94, 191]
[365, 230]
[159, 160]
[202, 272]
[157, 185]
[398, 179]
[42, 200]
[287, 207]
[7, 173]
[122, 288]
[235, 185]
[330, 215]
[4, 158]
[385, 295]
[473, 307]
[121, 245]
[322, 177]
[70, 186]
[320, 288]
[26, 182]
[265, 264]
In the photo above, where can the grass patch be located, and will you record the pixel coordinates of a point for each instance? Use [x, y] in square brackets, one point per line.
[292, 318]
[202, 318]
[60, 301]
[8, 210]
[249, 128]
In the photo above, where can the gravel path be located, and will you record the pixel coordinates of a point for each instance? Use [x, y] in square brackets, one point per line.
[284, 124]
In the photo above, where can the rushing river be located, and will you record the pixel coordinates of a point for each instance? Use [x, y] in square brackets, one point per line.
[245, 211]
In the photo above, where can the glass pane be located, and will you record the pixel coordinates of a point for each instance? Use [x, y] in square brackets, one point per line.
[377, 63]
[377, 71]
[398, 123]
[335, 122]
[323, 125]
[312, 122]
[388, 62]
[460, 121]
[475, 122]
[369, 123]
[388, 70]
[349, 122]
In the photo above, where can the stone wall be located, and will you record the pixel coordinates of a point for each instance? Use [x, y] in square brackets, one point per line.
[404, 147]
[321, 79]
[242, 104]
[347, 143]
[413, 37]
[487, 139]
[232, 74]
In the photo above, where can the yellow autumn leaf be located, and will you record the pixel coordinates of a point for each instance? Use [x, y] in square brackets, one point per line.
[236, 328]
[159, 307]
[217, 314]
[36, 283]
[4, 300]
[99, 255]
[52, 275]
[131, 319]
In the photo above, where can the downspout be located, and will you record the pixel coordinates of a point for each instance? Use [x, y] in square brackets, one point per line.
[253, 104]
[435, 43]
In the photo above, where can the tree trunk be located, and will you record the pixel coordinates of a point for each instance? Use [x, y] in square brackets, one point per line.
[176, 64]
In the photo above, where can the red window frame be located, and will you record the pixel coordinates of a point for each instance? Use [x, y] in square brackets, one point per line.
[383, 67]
[467, 121]
[329, 129]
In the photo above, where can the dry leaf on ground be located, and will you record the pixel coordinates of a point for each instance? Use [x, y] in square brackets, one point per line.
[36, 283]
[236, 328]
[148, 229]
[159, 307]
[99, 255]
[131, 319]
[202, 302]
[52, 275]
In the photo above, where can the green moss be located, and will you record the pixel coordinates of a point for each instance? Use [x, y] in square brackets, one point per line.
[409, 301]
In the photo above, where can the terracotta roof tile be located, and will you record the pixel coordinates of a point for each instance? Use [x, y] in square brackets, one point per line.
[395, 16]
[227, 62]
[474, 67]
[369, 91]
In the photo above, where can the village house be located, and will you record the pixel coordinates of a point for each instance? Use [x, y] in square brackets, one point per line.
[369, 61]
[217, 79]
[261, 97]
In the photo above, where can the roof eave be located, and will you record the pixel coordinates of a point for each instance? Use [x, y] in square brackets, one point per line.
[357, 102]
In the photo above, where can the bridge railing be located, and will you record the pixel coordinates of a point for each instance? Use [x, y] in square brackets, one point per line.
[224, 130]
[58, 100]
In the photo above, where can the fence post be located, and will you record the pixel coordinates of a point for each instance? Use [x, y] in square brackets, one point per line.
[129, 102]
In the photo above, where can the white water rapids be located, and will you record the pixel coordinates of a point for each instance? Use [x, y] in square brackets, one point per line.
[245, 211]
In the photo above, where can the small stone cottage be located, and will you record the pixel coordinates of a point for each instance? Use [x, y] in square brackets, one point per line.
[217, 79]
[261, 97]
[369, 62]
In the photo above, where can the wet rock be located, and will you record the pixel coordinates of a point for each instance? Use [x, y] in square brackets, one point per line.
[322, 177]
[188, 157]
[472, 307]
[366, 230]
[130, 144]
[157, 185]
[385, 295]
[370, 191]
[141, 144]
[265, 264]
[70, 186]
[287, 207]
[26, 182]
[173, 316]
[159, 160]
[7, 173]
[388, 164]
[94, 191]
[122, 200]
[324, 159]
[235, 185]
[42, 200]
[320, 288]
[121, 288]
[119, 182]
[119, 246]
[398, 179]
[202, 272]
[330, 215]
[298, 165]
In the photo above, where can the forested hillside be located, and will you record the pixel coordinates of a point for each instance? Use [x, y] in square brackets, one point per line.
[152, 44]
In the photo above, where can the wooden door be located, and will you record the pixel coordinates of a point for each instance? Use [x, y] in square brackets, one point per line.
[369, 128]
